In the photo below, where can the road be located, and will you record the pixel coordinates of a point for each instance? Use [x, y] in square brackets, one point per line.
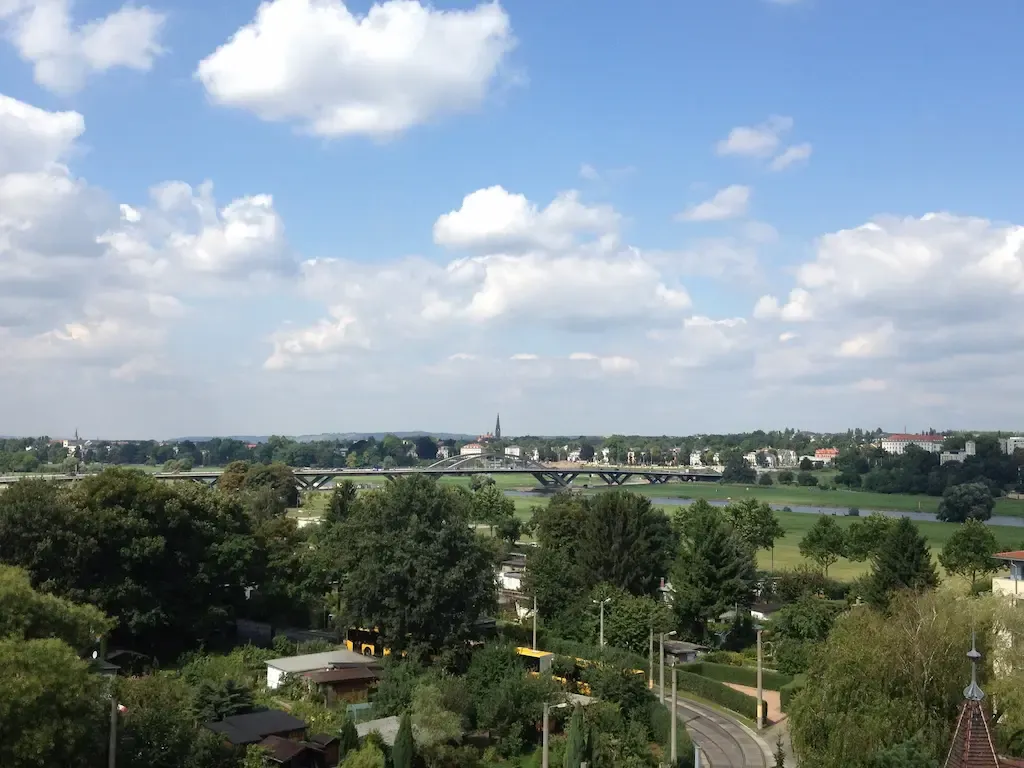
[725, 742]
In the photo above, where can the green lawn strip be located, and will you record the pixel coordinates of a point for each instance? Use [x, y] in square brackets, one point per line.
[746, 676]
[685, 695]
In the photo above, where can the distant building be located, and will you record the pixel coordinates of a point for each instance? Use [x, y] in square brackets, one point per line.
[695, 460]
[514, 451]
[826, 455]
[278, 669]
[787, 457]
[897, 444]
[1011, 444]
[471, 449]
[751, 458]
[970, 448]
[443, 452]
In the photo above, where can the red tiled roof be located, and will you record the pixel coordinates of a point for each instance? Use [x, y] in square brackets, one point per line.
[972, 742]
[919, 438]
[827, 452]
[1015, 555]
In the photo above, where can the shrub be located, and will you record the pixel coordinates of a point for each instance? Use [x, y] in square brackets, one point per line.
[720, 694]
[788, 691]
[790, 585]
[731, 658]
[853, 512]
[765, 479]
[725, 673]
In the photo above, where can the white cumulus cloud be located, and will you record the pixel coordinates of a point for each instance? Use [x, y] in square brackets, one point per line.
[338, 73]
[728, 203]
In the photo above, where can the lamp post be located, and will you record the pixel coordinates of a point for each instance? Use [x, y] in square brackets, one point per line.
[650, 659]
[544, 752]
[535, 622]
[673, 749]
[760, 690]
[601, 603]
[661, 667]
[110, 672]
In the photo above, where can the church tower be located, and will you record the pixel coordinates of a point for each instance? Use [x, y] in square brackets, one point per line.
[497, 428]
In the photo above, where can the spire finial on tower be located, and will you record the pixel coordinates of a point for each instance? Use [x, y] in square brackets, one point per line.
[973, 691]
[497, 428]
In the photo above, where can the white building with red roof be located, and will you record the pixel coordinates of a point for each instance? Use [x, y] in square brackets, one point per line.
[897, 444]
[471, 449]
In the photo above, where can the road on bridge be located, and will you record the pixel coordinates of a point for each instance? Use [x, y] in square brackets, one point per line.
[725, 742]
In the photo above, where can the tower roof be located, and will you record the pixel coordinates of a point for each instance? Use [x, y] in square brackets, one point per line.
[972, 745]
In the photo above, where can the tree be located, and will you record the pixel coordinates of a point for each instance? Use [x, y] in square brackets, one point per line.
[169, 562]
[342, 498]
[217, 699]
[413, 567]
[367, 756]
[403, 752]
[798, 628]
[786, 477]
[28, 614]
[824, 543]
[756, 523]
[52, 707]
[434, 723]
[575, 741]
[476, 482]
[969, 551]
[765, 478]
[903, 561]
[909, 754]
[349, 738]
[738, 471]
[806, 479]
[277, 476]
[426, 448]
[967, 501]
[232, 478]
[715, 569]
[490, 505]
[780, 754]
[882, 679]
[628, 619]
[864, 536]
[806, 465]
[626, 542]
[586, 451]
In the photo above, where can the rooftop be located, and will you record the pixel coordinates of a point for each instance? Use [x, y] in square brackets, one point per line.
[311, 661]
[387, 727]
[1015, 555]
[353, 673]
[919, 438]
[255, 726]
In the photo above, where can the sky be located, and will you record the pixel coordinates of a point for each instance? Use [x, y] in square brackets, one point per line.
[309, 216]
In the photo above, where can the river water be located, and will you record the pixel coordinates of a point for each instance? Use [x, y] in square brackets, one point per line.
[928, 517]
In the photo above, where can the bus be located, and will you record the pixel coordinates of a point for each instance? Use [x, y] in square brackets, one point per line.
[538, 662]
[366, 641]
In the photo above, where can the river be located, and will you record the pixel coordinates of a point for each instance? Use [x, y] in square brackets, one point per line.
[926, 517]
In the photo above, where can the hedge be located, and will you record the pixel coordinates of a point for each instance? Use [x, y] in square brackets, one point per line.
[726, 673]
[720, 694]
[787, 692]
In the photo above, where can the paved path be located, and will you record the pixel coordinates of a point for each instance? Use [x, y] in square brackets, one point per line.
[725, 742]
[772, 698]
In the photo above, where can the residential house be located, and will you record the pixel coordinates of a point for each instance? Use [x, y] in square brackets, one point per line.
[514, 451]
[897, 444]
[573, 456]
[443, 452]
[826, 455]
[787, 458]
[695, 460]
[278, 669]
[970, 449]
[1012, 585]
[605, 453]
[683, 652]
[471, 449]
[750, 458]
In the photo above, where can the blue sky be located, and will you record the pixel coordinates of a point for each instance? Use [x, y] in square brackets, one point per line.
[313, 288]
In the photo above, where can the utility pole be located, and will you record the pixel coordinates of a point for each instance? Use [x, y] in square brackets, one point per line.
[760, 690]
[544, 753]
[535, 622]
[661, 669]
[650, 659]
[601, 604]
[112, 747]
[673, 749]
[696, 756]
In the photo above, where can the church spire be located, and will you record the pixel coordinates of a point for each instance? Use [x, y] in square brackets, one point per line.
[497, 428]
[973, 691]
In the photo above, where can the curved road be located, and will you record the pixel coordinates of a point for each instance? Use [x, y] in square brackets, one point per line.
[725, 742]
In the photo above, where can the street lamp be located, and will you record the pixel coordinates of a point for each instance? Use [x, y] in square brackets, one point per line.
[601, 603]
[760, 691]
[661, 667]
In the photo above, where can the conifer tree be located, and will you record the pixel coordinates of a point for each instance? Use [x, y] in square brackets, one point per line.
[903, 561]
[349, 740]
[402, 752]
[575, 742]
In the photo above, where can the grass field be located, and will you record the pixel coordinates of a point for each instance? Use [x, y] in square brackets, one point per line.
[787, 550]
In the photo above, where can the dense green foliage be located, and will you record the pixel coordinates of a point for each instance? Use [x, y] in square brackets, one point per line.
[747, 676]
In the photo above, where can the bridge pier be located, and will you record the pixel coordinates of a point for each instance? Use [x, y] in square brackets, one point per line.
[613, 478]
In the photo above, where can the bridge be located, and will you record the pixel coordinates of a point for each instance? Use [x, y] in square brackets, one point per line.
[456, 466]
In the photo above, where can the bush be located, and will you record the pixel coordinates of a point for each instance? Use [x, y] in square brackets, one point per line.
[731, 658]
[788, 691]
[720, 694]
[725, 673]
[765, 479]
[802, 580]
[853, 512]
